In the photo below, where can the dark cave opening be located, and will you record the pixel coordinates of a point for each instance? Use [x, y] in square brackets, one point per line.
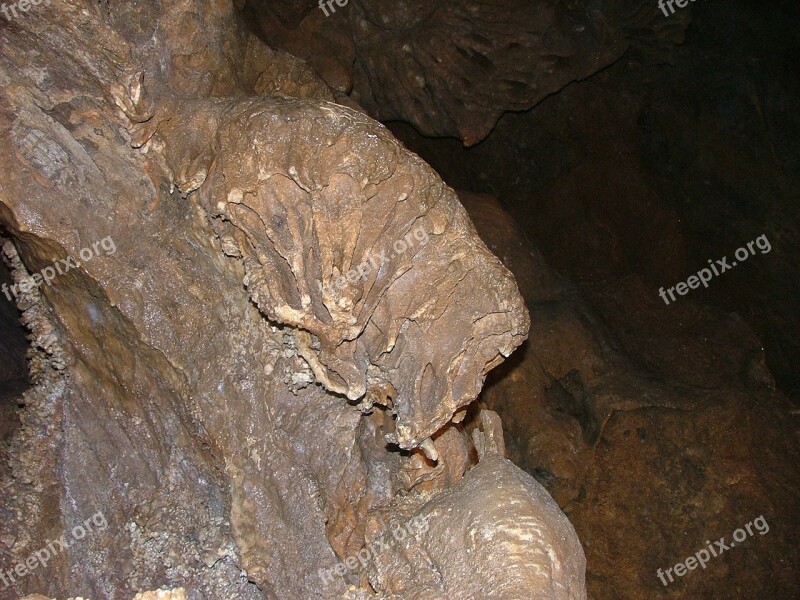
[13, 356]
[629, 190]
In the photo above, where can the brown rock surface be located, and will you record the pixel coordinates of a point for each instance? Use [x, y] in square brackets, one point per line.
[13, 370]
[211, 408]
[453, 68]
[651, 168]
[651, 443]
[462, 544]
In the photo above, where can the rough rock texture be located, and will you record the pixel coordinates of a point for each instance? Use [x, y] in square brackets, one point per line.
[537, 281]
[178, 594]
[453, 68]
[649, 170]
[651, 443]
[13, 370]
[301, 28]
[220, 387]
[495, 510]
[305, 194]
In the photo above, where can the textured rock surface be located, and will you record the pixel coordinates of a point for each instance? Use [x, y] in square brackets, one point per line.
[651, 443]
[208, 387]
[452, 68]
[657, 427]
[340, 246]
[177, 594]
[649, 170]
[495, 511]
[13, 370]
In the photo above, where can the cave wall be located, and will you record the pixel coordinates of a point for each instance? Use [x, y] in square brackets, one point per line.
[219, 394]
[653, 167]
[648, 457]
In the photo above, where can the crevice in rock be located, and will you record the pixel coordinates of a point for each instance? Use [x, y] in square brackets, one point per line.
[14, 376]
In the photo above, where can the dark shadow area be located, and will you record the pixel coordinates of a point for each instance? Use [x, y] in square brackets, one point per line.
[650, 169]
[13, 360]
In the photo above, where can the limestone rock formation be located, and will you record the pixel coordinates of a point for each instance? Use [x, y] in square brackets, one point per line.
[177, 594]
[340, 247]
[470, 525]
[264, 333]
[452, 68]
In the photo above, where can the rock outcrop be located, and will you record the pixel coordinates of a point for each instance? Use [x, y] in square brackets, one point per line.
[264, 333]
[453, 68]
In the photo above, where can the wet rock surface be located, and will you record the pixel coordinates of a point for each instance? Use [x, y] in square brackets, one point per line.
[218, 402]
[253, 373]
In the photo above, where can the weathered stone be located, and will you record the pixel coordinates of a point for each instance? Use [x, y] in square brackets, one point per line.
[495, 511]
[200, 380]
[453, 68]
[648, 466]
